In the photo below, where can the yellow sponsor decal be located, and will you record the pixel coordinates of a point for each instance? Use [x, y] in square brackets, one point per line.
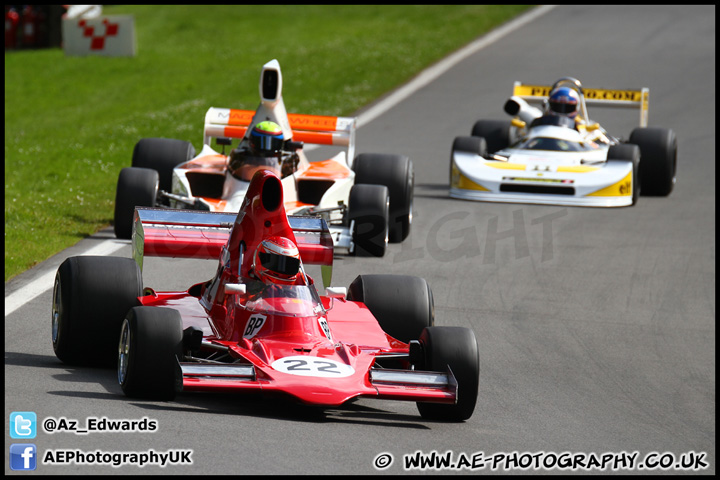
[506, 166]
[590, 93]
[577, 169]
[461, 181]
[644, 107]
[531, 91]
[618, 95]
[623, 188]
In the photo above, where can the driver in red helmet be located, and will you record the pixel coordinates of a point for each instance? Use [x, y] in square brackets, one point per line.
[277, 261]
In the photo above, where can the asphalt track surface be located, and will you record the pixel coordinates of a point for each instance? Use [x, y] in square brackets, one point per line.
[596, 327]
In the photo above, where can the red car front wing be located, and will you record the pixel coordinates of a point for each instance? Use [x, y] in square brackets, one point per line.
[357, 342]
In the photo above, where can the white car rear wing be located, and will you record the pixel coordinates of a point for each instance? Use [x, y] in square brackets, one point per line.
[309, 129]
[626, 98]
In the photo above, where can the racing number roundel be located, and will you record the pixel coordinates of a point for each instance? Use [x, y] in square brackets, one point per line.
[307, 366]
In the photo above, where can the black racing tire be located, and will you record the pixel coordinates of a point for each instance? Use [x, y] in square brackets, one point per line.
[457, 348]
[475, 145]
[403, 305]
[136, 187]
[397, 174]
[629, 152]
[91, 296]
[369, 209]
[658, 160]
[163, 155]
[149, 349]
[498, 134]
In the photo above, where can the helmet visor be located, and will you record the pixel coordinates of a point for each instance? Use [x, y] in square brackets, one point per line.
[266, 143]
[563, 107]
[281, 264]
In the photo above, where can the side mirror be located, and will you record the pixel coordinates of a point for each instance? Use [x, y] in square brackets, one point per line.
[292, 146]
[336, 292]
[332, 293]
[235, 288]
[224, 141]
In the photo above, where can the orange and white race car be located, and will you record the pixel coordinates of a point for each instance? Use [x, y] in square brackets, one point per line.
[366, 199]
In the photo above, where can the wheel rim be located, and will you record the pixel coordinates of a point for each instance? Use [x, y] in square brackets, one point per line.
[123, 351]
[56, 312]
[387, 216]
[410, 212]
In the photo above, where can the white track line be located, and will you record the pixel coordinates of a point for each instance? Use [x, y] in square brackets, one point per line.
[433, 72]
[45, 282]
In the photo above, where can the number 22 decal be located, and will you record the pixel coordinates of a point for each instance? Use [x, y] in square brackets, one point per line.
[312, 367]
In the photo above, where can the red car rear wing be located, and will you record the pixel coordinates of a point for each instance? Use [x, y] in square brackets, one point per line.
[198, 234]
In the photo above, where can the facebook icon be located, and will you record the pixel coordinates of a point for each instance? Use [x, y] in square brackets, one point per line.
[23, 456]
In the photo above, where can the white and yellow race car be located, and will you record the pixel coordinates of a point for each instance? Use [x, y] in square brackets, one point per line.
[542, 156]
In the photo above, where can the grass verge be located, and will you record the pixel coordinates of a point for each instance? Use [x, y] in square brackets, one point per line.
[71, 122]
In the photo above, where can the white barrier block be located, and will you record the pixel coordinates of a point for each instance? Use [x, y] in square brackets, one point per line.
[108, 35]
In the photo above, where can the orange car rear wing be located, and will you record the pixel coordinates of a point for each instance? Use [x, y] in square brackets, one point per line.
[310, 129]
[162, 232]
[625, 98]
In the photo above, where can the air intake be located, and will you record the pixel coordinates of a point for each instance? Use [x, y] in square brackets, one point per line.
[537, 189]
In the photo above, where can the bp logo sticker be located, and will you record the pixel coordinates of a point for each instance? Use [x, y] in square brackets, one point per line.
[306, 366]
[254, 324]
[325, 328]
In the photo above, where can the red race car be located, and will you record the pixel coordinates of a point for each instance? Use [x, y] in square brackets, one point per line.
[260, 324]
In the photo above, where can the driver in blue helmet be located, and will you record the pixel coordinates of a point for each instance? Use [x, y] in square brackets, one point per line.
[561, 109]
